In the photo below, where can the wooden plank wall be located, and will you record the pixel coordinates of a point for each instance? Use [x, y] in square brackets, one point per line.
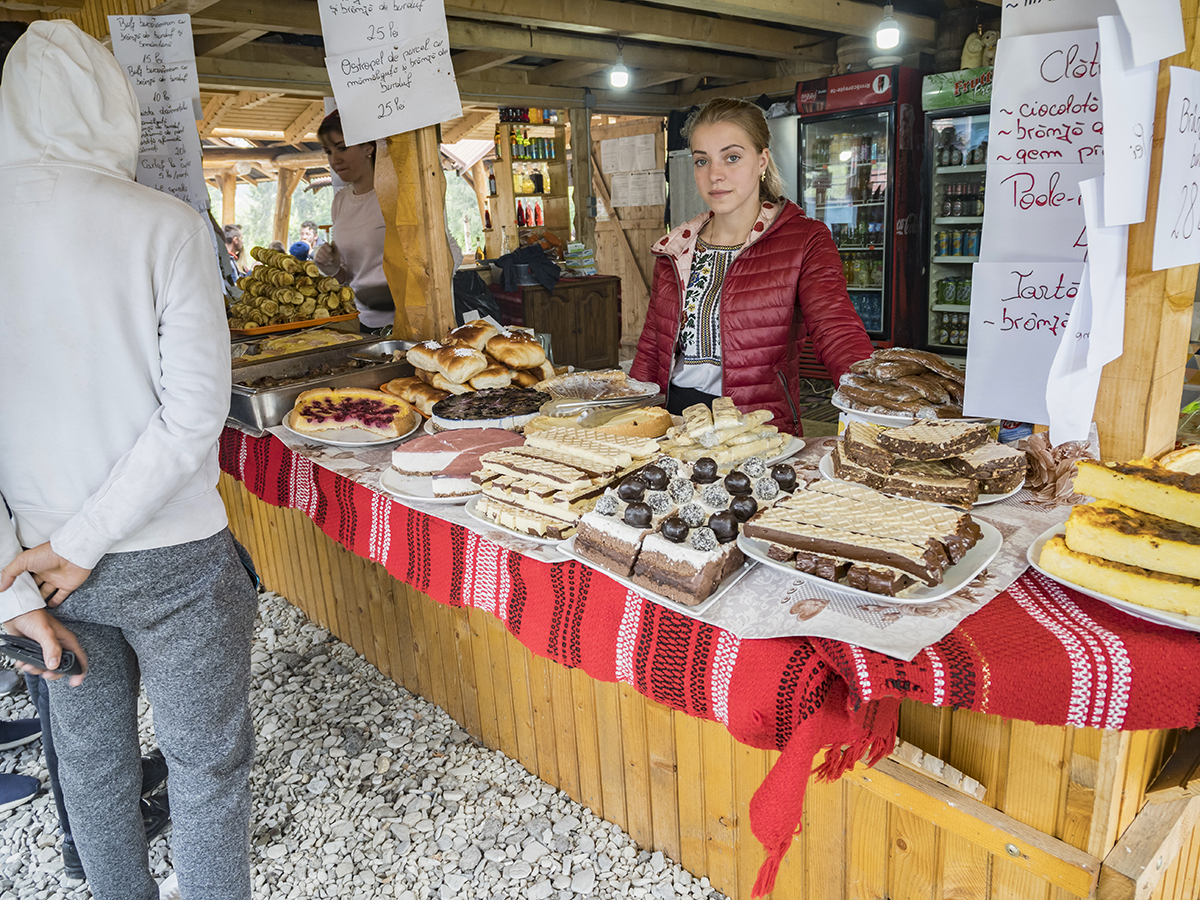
[682, 785]
[643, 225]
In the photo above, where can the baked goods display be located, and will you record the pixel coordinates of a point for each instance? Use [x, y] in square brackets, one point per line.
[723, 434]
[900, 381]
[415, 392]
[671, 527]
[450, 458]
[477, 356]
[640, 422]
[373, 411]
[1185, 460]
[1139, 540]
[283, 344]
[283, 289]
[509, 408]
[607, 384]
[938, 462]
[543, 486]
[853, 535]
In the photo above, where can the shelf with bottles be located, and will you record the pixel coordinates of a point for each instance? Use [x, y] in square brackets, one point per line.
[956, 170]
[955, 259]
[958, 220]
[949, 329]
[529, 177]
[836, 205]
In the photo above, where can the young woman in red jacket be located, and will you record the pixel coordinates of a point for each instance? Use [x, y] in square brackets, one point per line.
[738, 289]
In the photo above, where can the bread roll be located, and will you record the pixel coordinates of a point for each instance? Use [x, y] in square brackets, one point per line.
[459, 364]
[475, 333]
[415, 392]
[517, 350]
[423, 355]
[491, 377]
[523, 378]
[439, 381]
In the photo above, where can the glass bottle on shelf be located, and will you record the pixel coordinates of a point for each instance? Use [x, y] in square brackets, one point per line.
[520, 214]
[526, 181]
[538, 219]
[956, 207]
[545, 179]
[948, 200]
[492, 182]
[487, 216]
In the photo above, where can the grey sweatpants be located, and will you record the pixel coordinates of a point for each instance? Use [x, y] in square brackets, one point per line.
[181, 617]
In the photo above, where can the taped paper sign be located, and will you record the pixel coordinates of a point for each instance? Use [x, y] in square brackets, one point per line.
[1177, 225]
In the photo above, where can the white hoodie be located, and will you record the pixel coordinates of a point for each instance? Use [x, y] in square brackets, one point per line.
[114, 352]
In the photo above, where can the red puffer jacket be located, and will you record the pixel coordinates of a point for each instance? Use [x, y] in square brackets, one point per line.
[783, 287]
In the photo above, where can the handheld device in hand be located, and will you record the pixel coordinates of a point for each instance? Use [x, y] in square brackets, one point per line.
[29, 651]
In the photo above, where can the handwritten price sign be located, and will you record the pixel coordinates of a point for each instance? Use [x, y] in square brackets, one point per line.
[1019, 311]
[1176, 227]
[389, 64]
[1039, 201]
[1046, 100]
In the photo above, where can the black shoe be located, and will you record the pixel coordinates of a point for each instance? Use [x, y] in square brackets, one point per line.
[154, 771]
[156, 814]
[72, 865]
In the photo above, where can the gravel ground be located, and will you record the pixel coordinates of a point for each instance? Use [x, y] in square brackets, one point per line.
[362, 790]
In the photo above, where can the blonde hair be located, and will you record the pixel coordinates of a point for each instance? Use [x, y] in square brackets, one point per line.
[750, 119]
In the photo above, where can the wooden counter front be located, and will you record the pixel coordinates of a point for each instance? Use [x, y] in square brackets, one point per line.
[1059, 799]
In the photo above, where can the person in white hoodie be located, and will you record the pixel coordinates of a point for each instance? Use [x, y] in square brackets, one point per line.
[114, 357]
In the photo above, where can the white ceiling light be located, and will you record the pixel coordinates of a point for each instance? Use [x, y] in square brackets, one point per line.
[618, 75]
[887, 35]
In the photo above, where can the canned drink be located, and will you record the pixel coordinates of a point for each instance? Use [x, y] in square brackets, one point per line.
[964, 292]
[972, 244]
[949, 291]
[942, 247]
[956, 243]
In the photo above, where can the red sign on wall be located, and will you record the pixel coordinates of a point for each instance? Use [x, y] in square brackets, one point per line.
[850, 91]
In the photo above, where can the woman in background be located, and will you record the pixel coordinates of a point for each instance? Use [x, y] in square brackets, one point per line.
[738, 289]
[355, 254]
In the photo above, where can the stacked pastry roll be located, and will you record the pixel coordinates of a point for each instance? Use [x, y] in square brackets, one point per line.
[903, 382]
[284, 289]
[473, 357]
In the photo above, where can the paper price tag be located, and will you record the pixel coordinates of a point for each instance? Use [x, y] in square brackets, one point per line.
[1177, 224]
[1129, 97]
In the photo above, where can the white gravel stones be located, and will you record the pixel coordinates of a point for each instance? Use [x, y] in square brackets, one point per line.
[363, 791]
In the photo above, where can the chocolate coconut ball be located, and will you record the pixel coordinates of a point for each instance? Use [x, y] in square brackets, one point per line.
[738, 483]
[675, 530]
[785, 477]
[724, 525]
[704, 470]
[743, 508]
[655, 478]
[631, 489]
[638, 515]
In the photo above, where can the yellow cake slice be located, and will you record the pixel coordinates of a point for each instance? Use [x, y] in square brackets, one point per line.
[1145, 485]
[1129, 536]
[1155, 590]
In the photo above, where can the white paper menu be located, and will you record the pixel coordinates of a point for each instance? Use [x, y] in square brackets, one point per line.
[1156, 29]
[159, 57]
[1177, 225]
[389, 65]
[1129, 94]
[1035, 212]
[1022, 17]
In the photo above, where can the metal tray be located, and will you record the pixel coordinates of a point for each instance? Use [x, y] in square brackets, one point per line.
[257, 409]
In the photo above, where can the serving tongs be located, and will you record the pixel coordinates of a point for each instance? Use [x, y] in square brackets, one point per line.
[571, 406]
[600, 415]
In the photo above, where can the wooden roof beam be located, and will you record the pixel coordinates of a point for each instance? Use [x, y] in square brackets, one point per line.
[637, 22]
[838, 16]
[468, 62]
[46, 7]
[305, 122]
[566, 71]
[460, 128]
[222, 42]
[217, 106]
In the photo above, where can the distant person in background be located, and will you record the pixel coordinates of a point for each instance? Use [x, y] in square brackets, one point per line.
[237, 252]
[299, 250]
[355, 255]
[310, 235]
[277, 245]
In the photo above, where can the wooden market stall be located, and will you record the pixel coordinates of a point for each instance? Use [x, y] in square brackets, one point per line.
[1064, 809]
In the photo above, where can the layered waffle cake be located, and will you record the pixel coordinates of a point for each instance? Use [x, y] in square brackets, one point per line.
[931, 481]
[934, 440]
[858, 537]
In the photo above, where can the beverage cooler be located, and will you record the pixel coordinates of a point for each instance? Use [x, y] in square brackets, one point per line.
[956, 115]
[860, 168]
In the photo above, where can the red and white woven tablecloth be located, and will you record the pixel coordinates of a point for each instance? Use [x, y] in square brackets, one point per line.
[1038, 651]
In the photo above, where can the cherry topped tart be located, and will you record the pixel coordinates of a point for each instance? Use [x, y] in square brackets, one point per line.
[374, 411]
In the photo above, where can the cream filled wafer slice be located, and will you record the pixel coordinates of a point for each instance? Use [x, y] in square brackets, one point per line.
[934, 440]
[860, 442]
[557, 471]
[605, 449]
[923, 563]
[957, 531]
[909, 483]
[524, 521]
[990, 460]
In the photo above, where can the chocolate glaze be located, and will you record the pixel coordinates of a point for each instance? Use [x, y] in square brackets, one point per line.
[655, 478]
[724, 525]
[638, 515]
[675, 530]
[704, 470]
[631, 489]
[743, 508]
[738, 483]
[785, 476]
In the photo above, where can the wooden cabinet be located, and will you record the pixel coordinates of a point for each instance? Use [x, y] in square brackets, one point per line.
[583, 318]
[502, 205]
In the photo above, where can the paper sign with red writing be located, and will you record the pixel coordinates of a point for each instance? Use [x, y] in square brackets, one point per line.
[1046, 100]
[1035, 213]
[1177, 225]
[1156, 27]
[1022, 17]
[1019, 314]
[1129, 97]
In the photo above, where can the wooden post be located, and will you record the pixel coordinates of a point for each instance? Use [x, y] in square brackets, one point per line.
[480, 184]
[1137, 409]
[288, 179]
[416, 253]
[227, 181]
[581, 175]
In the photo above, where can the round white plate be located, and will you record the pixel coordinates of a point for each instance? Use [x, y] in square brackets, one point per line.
[473, 503]
[349, 437]
[1157, 616]
[955, 577]
[825, 467]
[794, 446]
[897, 420]
[415, 487]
